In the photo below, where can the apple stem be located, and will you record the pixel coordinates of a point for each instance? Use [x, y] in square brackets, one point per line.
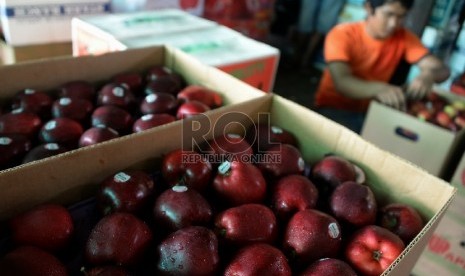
[391, 222]
[377, 255]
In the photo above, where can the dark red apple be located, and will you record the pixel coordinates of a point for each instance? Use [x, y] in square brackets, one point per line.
[158, 103]
[95, 135]
[246, 224]
[13, 147]
[170, 84]
[263, 136]
[18, 122]
[401, 219]
[47, 226]
[152, 120]
[77, 89]
[29, 260]
[180, 207]
[201, 94]
[157, 71]
[188, 4]
[133, 80]
[231, 147]
[354, 203]
[187, 168]
[76, 109]
[311, 235]
[284, 159]
[34, 101]
[63, 131]
[43, 151]
[190, 109]
[372, 249]
[239, 183]
[329, 266]
[119, 238]
[115, 94]
[128, 191]
[443, 119]
[291, 194]
[332, 171]
[189, 251]
[258, 259]
[112, 117]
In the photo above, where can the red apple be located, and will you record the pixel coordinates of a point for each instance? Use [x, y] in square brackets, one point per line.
[238, 183]
[180, 207]
[170, 84]
[459, 120]
[284, 159]
[188, 4]
[63, 131]
[231, 147]
[34, 101]
[77, 89]
[187, 168]
[329, 266]
[443, 119]
[201, 94]
[158, 103]
[112, 117]
[76, 109]
[157, 71]
[13, 147]
[190, 109]
[189, 251]
[402, 219]
[133, 80]
[152, 120]
[18, 122]
[47, 226]
[291, 194]
[354, 203]
[115, 94]
[119, 238]
[258, 259]
[263, 136]
[332, 171]
[43, 151]
[246, 224]
[29, 260]
[97, 134]
[311, 235]
[125, 192]
[425, 115]
[372, 249]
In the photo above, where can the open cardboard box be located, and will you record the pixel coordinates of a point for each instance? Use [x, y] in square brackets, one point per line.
[49, 74]
[427, 145]
[71, 177]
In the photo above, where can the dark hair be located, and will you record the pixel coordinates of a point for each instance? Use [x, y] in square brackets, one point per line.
[376, 3]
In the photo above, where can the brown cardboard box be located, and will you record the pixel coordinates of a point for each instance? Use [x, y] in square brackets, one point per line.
[74, 176]
[11, 54]
[429, 146]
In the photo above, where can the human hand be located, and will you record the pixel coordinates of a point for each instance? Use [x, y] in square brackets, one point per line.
[419, 87]
[392, 96]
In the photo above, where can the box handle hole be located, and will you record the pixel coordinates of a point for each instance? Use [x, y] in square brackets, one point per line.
[406, 133]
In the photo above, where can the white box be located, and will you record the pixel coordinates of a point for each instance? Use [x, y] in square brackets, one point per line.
[27, 22]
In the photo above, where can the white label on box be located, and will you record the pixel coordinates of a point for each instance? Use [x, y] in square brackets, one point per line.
[39, 22]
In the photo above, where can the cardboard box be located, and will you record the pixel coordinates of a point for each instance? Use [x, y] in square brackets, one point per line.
[73, 176]
[12, 54]
[26, 22]
[249, 60]
[429, 146]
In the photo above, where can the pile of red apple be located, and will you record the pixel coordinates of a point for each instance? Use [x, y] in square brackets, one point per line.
[37, 124]
[240, 214]
[438, 110]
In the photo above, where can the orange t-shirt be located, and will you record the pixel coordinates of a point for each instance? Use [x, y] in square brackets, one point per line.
[369, 59]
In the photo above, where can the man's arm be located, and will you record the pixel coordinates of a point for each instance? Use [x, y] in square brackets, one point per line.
[432, 70]
[350, 86]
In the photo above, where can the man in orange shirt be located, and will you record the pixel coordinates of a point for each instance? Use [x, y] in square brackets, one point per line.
[363, 56]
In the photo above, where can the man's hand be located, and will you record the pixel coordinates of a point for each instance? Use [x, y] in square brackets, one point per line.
[419, 87]
[391, 95]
